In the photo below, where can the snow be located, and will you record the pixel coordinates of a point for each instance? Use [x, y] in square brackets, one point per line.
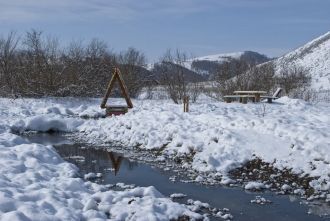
[36, 184]
[286, 187]
[177, 195]
[89, 176]
[260, 200]
[46, 123]
[313, 56]
[224, 216]
[227, 181]
[216, 58]
[125, 186]
[254, 186]
[217, 137]
[196, 205]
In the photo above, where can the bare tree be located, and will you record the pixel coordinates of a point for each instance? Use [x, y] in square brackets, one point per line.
[293, 78]
[40, 64]
[237, 74]
[260, 77]
[131, 62]
[229, 77]
[174, 77]
[98, 63]
[8, 62]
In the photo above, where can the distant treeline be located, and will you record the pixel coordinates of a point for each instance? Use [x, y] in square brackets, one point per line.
[35, 65]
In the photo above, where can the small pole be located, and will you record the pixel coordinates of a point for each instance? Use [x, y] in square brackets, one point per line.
[186, 104]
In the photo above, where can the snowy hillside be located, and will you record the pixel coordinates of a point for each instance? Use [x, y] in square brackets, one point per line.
[219, 58]
[201, 68]
[208, 65]
[215, 58]
[313, 56]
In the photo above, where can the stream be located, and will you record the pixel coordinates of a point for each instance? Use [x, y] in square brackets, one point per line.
[119, 168]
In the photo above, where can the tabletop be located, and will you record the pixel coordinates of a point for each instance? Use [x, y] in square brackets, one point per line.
[250, 92]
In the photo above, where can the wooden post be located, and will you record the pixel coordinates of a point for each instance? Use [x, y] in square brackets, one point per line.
[186, 104]
[244, 100]
[257, 97]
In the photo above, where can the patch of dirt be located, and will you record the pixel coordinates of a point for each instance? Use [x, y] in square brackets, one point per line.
[258, 170]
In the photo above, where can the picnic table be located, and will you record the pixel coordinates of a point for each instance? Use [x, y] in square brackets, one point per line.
[255, 94]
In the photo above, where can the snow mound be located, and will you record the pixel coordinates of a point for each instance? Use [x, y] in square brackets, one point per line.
[254, 186]
[36, 184]
[213, 137]
[46, 123]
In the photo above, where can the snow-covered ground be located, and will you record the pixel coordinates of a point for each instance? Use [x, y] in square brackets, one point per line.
[216, 137]
[37, 185]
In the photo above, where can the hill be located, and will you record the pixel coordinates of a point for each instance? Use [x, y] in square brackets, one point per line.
[208, 65]
[314, 57]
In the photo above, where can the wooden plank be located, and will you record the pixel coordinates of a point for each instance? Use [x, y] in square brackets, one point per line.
[238, 96]
[250, 92]
[108, 92]
[124, 89]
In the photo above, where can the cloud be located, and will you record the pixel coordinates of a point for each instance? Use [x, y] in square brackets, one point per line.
[115, 10]
[34, 10]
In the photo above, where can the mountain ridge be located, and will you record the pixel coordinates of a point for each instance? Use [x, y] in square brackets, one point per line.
[314, 57]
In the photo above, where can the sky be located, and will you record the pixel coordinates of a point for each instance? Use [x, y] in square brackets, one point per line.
[197, 27]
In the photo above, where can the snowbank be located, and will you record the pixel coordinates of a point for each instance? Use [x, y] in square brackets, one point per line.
[215, 137]
[46, 123]
[36, 184]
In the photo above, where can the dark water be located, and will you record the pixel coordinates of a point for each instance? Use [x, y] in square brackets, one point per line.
[117, 168]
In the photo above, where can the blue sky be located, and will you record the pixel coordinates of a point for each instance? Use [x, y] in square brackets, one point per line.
[199, 27]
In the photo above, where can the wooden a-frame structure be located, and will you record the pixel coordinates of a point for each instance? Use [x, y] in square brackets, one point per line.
[116, 76]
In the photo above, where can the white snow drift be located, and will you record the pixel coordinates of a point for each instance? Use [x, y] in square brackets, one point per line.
[37, 185]
[219, 137]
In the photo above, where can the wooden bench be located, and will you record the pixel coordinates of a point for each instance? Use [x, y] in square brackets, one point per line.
[116, 110]
[256, 94]
[274, 96]
[242, 98]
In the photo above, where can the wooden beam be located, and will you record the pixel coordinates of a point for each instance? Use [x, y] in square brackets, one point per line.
[117, 76]
[124, 89]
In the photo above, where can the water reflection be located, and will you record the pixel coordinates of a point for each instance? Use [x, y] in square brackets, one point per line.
[115, 161]
[94, 160]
